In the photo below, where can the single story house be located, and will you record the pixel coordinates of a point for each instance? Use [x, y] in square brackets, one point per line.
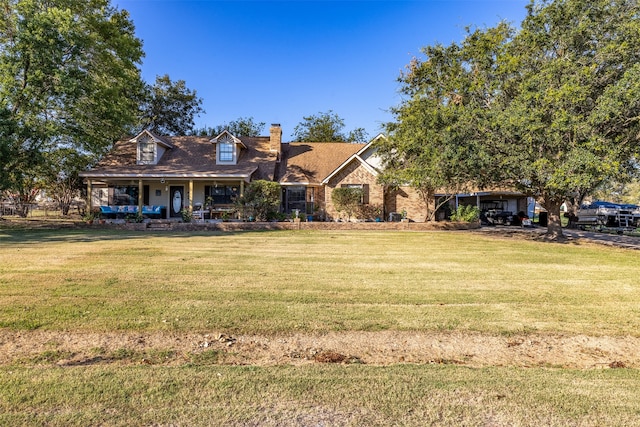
[161, 176]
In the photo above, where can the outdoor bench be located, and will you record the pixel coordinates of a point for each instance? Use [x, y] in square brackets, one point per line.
[122, 211]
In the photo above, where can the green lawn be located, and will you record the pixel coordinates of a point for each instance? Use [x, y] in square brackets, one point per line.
[320, 395]
[276, 282]
[280, 283]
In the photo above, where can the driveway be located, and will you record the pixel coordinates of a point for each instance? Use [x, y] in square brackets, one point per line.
[622, 241]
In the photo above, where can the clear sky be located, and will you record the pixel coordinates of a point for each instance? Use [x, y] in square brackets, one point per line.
[278, 61]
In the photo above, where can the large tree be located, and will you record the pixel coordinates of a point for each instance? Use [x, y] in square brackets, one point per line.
[69, 71]
[570, 100]
[7, 147]
[170, 107]
[551, 109]
[436, 143]
[326, 127]
[69, 77]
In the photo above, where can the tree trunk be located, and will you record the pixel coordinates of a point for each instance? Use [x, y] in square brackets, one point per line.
[64, 208]
[22, 209]
[23, 203]
[554, 228]
[428, 197]
[64, 198]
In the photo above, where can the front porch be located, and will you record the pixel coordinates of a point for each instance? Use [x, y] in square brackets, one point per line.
[163, 198]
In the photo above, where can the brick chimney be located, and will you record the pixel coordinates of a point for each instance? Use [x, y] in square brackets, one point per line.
[275, 139]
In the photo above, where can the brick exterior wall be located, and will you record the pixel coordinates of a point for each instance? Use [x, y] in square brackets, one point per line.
[406, 198]
[158, 225]
[390, 201]
[354, 173]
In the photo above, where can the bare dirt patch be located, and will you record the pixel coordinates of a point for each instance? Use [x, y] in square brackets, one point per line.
[373, 348]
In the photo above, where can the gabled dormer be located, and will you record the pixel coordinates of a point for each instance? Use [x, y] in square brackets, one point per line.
[367, 157]
[150, 148]
[228, 148]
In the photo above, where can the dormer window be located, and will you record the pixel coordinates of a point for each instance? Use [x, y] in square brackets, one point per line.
[227, 148]
[146, 151]
[150, 148]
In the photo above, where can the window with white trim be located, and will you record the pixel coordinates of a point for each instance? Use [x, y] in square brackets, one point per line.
[146, 151]
[226, 150]
[364, 188]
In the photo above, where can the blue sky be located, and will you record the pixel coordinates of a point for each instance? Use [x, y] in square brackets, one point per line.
[278, 61]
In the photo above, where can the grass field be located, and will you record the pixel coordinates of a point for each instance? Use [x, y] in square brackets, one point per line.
[283, 286]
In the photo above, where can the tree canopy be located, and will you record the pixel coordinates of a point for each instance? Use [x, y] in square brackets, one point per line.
[69, 77]
[551, 109]
[571, 99]
[436, 145]
[69, 72]
[243, 126]
[170, 107]
[326, 127]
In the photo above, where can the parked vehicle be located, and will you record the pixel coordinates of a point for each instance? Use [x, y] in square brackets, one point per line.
[495, 212]
[608, 214]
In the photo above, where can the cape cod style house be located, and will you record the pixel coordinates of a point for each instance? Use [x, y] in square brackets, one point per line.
[161, 176]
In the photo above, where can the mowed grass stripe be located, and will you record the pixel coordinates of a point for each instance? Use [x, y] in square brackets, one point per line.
[273, 282]
[318, 395]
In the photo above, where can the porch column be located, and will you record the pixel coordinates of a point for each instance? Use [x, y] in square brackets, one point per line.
[478, 201]
[457, 201]
[190, 195]
[312, 200]
[242, 187]
[140, 196]
[89, 195]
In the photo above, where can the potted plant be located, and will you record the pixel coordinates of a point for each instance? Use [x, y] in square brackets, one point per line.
[97, 215]
[208, 205]
[88, 218]
[187, 215]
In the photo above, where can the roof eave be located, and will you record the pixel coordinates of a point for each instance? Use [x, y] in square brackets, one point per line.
[159, 175]
[356, 156]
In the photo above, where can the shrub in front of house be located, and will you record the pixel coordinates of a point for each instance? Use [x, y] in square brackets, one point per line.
[466, 213]
[261, 200]
[347, 200]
